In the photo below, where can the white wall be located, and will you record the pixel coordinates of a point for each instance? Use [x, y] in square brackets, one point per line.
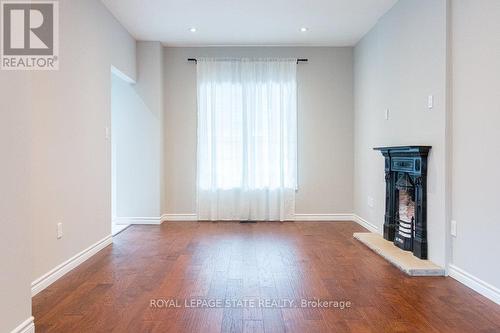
[398, 64]
[71, 161]
[137, 137]
[15, 236]
[325, 130]
[476, 142]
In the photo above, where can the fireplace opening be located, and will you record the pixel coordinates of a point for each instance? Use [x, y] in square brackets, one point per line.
[405, 222]
[405, 218]
[406, 206]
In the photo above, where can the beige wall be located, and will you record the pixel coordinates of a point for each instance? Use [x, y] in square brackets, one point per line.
[476, 142]
[137, 117]
[71, 160]
[398, 64]
[52, 133]
[15, 236]
[325, 132]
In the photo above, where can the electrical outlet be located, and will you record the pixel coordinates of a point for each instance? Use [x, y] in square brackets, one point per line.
[371, 202]
[59, 231]
[453, 228]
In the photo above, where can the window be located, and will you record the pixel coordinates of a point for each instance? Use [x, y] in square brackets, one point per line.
[247, 129]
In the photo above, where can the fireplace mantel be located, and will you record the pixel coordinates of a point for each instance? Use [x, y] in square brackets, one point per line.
[408, 165]
[405, 149]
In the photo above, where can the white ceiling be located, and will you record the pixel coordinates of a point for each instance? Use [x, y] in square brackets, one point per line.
[250, 22]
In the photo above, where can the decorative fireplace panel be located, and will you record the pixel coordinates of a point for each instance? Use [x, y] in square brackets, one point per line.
[405, 221]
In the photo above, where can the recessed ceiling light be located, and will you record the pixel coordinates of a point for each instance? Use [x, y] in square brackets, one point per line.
[192, 29]
[303, 29]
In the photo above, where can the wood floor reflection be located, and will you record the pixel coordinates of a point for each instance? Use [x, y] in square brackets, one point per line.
[114, 290]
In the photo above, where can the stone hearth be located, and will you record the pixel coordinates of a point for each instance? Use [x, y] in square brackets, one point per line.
[403, 260]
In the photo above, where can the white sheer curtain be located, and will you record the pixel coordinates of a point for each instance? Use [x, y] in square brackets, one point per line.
[247, 139]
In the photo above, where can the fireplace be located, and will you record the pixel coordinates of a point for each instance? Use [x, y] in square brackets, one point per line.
[405, 221]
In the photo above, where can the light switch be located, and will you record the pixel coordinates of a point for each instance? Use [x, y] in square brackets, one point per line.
[430, 101]
[386, 114]
[453, 228]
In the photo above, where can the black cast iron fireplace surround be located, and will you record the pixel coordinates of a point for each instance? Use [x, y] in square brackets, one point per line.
[406, 170]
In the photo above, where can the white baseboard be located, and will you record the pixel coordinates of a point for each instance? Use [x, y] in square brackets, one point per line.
[137, 220]
[323, 217]
[364, 223]
[297, 217]
[28, 326]
[55, 274]
[474, 283]
[179, 217]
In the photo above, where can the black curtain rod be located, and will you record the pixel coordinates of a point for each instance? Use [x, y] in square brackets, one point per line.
[298, 60]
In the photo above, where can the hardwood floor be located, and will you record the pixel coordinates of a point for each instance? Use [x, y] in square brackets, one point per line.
[113, 291]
